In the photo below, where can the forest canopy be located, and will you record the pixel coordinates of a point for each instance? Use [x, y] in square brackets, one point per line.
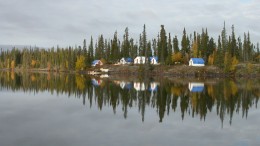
[225, 52]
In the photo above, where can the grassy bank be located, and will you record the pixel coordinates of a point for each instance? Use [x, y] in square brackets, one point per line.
[242, 70]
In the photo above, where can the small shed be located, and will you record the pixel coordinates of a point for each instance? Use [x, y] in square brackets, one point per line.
[196, 62]
[153, 60]
[140, 60]
[96, 63]
[126, 60]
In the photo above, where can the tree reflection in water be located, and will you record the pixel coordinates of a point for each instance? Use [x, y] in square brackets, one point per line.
[192, 97]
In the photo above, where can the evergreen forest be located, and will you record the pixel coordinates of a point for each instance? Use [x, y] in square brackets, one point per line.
[225, 52]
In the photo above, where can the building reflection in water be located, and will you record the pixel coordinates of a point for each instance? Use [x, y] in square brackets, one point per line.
[96, 82]
[126, 85]
[224, 97]
[139, 86]
[196, 87]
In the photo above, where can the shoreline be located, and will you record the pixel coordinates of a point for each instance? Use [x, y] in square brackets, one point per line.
[155, 71]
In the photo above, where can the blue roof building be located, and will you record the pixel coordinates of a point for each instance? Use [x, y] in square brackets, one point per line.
[196, 62]
[96, 62]
[126, 60]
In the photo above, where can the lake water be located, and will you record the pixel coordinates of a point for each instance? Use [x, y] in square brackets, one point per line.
[65, 109]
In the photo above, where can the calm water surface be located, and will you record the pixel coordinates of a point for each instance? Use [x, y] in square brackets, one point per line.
[65, 110]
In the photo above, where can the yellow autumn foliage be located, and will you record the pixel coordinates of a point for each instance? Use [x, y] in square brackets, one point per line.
[33, 78]
[33, 63]
[249, 67]
[195, 49]
[177, 57]
[234, 63]
[233, 88]
[80, 63]
[12, 64]
[211, 91]
[49, 76]
[80, 82]
[194, 101]
[176, 91]
[12, 75]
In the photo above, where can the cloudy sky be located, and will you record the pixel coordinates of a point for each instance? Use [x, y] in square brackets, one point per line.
[49, 23]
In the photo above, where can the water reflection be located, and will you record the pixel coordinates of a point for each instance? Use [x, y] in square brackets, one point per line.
[196, 87]
[192, 98]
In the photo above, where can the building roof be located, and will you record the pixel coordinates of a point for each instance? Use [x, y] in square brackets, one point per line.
[155, 57]
[128, 86]
[95, 61]
[129, 59]
[153, 88]
[198, 61]
[197, 89]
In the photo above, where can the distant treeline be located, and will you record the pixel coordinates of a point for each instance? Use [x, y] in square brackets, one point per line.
[225, 53]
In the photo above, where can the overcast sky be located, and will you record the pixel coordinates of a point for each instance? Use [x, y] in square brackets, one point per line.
[49, 23]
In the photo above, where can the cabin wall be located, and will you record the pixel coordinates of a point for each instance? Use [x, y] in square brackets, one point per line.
[194, 64]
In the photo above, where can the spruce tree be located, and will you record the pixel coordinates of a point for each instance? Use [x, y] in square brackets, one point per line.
[154, 47]
[100, 48]
[162, 45]
[176, 45]
[85, 53]
[240, 49]
[224, 40]
[219, 56]
[234, 48]
[144, 44]
[125, 44]
[91, 50]
[169, 48]
[204, 44]
[133, 49]
[185, 44]
[185, 47]
[211, 47]
[114, 49]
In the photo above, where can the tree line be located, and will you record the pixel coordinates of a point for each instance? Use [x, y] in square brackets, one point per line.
[225, 53]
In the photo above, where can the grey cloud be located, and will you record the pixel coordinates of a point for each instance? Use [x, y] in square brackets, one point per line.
[47, 22]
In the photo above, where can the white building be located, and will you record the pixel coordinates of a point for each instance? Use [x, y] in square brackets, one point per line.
[126, 60]
[140, 60]
[96, 63]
